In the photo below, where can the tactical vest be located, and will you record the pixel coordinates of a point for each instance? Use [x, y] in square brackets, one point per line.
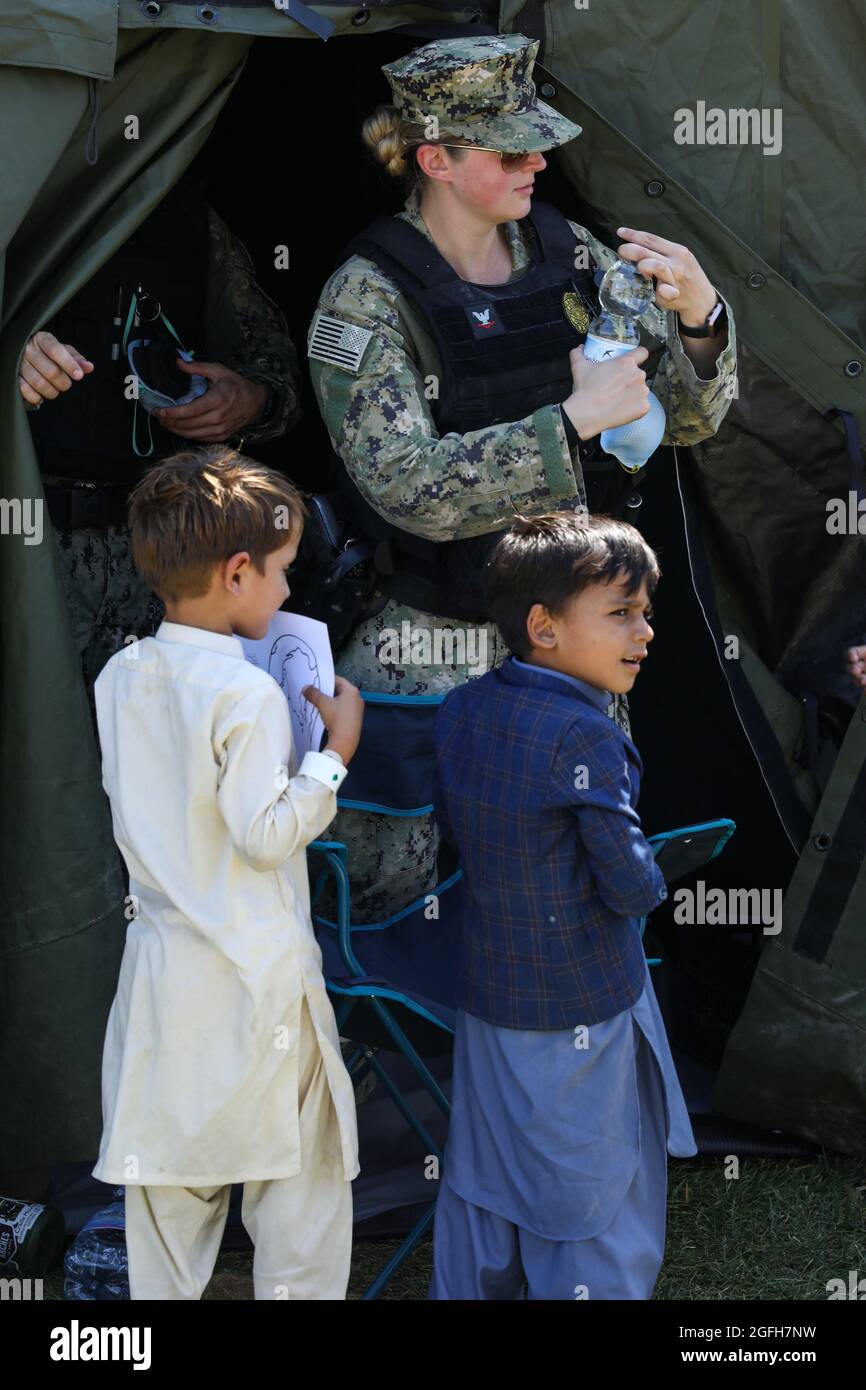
[504, 354]
[87, 431]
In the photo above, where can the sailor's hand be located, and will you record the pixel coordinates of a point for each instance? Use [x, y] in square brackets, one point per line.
[857, 665]
[681, 283]
[49, 367]
[606, 394]
[230, 404]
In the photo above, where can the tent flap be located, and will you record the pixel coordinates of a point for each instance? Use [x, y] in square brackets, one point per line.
[295, 19]
[62, 875]
[796, 1059]
[78, 37]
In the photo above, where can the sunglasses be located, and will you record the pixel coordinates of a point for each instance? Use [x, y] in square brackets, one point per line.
[509, 162]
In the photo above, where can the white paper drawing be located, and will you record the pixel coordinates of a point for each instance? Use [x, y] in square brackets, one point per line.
[297, 652]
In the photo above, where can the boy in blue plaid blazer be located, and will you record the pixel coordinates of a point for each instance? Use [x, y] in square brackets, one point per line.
[565, 1097]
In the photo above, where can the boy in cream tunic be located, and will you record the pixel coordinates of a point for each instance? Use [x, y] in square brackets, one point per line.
[222, 1060]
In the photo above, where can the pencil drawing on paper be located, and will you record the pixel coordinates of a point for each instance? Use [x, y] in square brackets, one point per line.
[293, 664]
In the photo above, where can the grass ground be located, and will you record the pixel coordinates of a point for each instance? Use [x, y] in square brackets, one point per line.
[779, 1231]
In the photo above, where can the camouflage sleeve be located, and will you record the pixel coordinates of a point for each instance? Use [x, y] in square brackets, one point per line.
[694, 408]
[380, 424]
[246, 331]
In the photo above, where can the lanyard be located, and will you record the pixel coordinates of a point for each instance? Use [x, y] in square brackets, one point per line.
[133, 307]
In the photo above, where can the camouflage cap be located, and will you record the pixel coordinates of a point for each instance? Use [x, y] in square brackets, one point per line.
[478, 89]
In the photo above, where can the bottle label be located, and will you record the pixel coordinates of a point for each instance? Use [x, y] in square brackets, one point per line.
[16, 1219]
[604, 349]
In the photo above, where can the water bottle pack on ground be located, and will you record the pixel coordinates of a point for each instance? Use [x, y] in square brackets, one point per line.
[95, 1264]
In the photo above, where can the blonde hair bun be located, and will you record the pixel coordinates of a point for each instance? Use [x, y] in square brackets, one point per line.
[384, 137]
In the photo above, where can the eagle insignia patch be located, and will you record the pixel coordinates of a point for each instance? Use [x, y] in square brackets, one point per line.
[575, 311]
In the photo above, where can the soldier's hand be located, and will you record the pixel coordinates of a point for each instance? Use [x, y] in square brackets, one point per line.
[230, 404]
[857, 665]
[49, 367]
[682, 284]
[606, 394]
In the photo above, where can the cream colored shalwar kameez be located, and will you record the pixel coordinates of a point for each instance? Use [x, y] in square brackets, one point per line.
[222, 1060]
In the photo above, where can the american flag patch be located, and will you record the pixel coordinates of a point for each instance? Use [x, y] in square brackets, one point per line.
[333, 340]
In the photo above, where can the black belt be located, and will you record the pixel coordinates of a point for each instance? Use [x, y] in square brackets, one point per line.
[87, 504]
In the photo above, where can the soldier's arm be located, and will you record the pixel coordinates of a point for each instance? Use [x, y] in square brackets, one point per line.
[694, 407]
[247, 332]
[381, 425]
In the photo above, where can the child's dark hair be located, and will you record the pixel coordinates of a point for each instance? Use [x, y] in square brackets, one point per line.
[202, 506]
[548, 559]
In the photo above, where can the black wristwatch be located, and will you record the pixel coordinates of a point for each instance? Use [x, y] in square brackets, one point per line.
[715, 323]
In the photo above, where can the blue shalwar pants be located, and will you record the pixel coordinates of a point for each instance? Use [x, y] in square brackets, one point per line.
[541, 1149]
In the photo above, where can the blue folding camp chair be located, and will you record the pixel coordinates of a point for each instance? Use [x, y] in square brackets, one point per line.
[392, 983]
[680, 852]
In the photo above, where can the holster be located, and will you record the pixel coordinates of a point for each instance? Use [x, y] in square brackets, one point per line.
[336, 577]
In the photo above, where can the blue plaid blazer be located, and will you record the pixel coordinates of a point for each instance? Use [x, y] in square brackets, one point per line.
[536, 788]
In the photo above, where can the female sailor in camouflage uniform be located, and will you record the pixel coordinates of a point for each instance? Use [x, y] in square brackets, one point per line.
[446, 362]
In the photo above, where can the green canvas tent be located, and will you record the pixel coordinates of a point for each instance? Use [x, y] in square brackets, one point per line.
[276, 90]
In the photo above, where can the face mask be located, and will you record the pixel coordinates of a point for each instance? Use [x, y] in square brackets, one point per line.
[152, 362]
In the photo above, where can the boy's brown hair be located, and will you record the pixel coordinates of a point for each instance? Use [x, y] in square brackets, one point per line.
[198, 508]
[548, 559]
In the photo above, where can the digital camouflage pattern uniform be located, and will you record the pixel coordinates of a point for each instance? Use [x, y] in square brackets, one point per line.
[380, 423]
[246, 332]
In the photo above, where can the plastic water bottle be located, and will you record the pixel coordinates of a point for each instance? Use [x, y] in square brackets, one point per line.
[624, 294]
[31, 1237]
[95, 1266]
